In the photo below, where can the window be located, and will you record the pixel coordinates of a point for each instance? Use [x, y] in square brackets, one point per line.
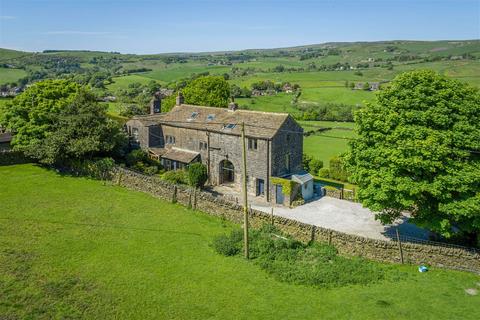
[210, 117]
[194, 115]
[229, 126]
[287, 162]
[170, 139]
[135, 134]
[288, 137]
[252, 144]
[202, 145]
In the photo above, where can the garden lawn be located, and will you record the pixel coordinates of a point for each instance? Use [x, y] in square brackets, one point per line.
[75, 248]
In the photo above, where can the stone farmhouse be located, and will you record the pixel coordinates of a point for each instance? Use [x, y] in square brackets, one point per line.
[190, 133]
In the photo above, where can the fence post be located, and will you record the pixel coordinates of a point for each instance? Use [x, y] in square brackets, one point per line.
[119, 177]
[174, 195]
[312, 236]
[329, 237]
[399, 245]
[271, 217]
[195, 199]
[189, 206]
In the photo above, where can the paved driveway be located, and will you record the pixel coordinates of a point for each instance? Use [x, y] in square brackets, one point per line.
[344, 216]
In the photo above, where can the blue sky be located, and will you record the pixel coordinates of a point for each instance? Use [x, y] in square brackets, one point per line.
[147, 26]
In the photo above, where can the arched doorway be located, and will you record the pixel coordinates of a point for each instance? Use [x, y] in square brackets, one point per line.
[227, 172]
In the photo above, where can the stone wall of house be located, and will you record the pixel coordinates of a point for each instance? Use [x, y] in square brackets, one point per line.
[287, 143]
[348, 245]
[224, 147]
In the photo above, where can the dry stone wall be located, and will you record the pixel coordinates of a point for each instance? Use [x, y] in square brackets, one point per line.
[348, 245]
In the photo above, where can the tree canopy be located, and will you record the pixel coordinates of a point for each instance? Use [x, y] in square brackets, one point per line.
[418, 150]
[211, 91]
[55, 121]
[32, 114]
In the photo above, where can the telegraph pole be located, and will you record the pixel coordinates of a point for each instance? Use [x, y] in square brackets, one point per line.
[245, 200]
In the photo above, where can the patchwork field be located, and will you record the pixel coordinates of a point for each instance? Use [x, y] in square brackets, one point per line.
[67, 252]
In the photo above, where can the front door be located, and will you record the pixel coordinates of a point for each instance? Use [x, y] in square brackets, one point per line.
[279, 194]
[260, 187]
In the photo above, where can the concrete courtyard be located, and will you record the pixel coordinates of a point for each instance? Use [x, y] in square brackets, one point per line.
[344, 216]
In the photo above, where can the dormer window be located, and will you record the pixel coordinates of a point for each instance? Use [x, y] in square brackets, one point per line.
[229, 126]
[210, 117]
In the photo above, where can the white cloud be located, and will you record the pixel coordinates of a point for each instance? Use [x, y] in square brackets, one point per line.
[7, 17]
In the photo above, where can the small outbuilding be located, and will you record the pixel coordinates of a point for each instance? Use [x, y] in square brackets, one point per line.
[306, 184]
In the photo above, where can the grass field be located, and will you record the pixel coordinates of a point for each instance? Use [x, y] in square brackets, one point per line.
[8, 75]
[68, 252]
[124, 81]
[327, 144]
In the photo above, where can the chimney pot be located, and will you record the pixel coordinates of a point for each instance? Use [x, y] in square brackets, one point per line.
[180, 99]
[232, 106]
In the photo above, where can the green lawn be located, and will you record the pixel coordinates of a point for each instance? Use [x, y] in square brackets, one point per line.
[74, 248]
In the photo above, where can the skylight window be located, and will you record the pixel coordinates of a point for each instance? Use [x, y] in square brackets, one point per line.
[230, 126]
[210, 117]
[194, 115]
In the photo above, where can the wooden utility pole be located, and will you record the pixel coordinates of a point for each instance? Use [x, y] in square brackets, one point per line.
[245, 200]
[399, 245]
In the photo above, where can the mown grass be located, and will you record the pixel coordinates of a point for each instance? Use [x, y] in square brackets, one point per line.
[74, 248]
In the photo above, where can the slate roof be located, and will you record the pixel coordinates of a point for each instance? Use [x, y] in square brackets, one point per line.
[182, 155]
[302, 178]
[257, 124]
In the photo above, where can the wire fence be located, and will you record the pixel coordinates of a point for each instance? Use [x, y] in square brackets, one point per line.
[409, 239]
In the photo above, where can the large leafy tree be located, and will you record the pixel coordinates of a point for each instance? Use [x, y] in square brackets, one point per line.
[67, 123]
[32, 114]
[208, 91]
[82, 131]
[418, 150]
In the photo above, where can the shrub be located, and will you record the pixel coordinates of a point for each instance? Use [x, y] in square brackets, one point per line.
[306, 159]
[228, 245]
[324, 173]
[150, 170]
[98, 169]
[139, 161]
[291, 261]
[176, 176]
[197, 174]
[315, 165]
[337, 169]
[137, 155]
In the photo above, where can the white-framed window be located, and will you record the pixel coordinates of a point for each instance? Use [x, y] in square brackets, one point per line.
[170, 139]
[252, 144]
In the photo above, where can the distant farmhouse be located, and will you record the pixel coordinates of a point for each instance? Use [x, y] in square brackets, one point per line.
[190, 133]
[372, 86]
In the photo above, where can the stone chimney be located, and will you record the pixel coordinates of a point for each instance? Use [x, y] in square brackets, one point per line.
[156, 103]
[232, 106]
[180, 99]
